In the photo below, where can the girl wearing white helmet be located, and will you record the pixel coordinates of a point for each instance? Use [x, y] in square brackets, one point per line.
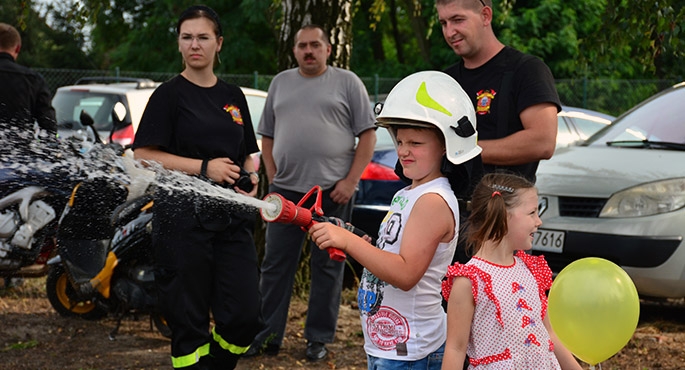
[432, 122]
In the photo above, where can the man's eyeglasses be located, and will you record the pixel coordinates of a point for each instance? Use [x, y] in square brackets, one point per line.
[202, 39]
[483, 2]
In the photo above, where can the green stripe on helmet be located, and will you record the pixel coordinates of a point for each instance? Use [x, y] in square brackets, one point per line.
[424, 99]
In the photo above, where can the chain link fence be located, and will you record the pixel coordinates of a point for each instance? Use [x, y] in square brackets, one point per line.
[610, 96]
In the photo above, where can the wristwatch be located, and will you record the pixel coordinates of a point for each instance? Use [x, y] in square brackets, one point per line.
[256, 174]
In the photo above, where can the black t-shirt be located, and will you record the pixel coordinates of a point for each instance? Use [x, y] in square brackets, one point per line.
[197, 122]
[530, 83]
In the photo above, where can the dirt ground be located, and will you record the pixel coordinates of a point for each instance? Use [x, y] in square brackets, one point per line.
[34, 337]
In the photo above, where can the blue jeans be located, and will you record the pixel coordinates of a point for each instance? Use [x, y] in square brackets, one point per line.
[430, 362]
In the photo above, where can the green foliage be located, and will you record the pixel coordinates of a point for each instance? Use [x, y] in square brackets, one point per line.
[638, 39]
[44, 46]
[141, 34]
[549, 29]
[391, 38]
[385, 40]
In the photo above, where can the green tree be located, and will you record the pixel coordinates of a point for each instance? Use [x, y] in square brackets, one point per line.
[603, 38]
[44, 46]
[335, 16]
[396, 37]
[141, 35]
[619, 39]
[637, 39]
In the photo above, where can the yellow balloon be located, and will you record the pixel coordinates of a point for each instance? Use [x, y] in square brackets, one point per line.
[593, 308]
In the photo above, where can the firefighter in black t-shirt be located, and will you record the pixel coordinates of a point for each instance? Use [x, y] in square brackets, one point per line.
[205, 256]
[513, 93]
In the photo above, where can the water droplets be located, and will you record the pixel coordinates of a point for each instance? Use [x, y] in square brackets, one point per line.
[35, 157]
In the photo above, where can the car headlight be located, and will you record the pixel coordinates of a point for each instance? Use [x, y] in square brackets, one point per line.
[647, 199]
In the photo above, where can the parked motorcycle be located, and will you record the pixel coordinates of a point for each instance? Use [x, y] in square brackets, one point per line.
[93, 276]
[37, 186]
[27, 230]
[104, 255]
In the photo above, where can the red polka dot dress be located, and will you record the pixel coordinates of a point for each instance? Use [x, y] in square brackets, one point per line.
[507, 331]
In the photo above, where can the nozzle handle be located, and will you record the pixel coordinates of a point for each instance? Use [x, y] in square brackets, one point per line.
[339, 222]
[333, 253]
[336, 254]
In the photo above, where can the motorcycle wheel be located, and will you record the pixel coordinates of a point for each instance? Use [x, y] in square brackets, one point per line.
[161, 325]
[61, 295]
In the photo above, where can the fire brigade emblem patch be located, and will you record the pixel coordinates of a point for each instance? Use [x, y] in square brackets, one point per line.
[484, 99]
[235, 113]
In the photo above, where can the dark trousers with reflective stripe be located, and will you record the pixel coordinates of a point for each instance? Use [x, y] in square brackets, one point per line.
[206, 260]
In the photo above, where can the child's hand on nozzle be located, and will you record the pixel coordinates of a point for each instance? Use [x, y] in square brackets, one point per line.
[327, 235]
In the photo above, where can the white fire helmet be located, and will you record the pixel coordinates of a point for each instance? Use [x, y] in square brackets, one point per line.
[433, 98]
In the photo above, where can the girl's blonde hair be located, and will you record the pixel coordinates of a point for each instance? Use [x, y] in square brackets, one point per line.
[492, 197]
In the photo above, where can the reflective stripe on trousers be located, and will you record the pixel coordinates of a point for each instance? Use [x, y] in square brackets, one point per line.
[234, 349]
[193, 358]
[190, 359]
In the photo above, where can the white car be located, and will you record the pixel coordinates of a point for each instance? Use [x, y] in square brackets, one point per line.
[576, 125]
[621, 196]
[98, 96]
[255, 102]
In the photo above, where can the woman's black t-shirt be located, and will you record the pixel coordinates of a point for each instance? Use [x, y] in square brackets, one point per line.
[197, 122]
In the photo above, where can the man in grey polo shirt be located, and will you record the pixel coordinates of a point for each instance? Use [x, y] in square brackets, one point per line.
[312, 116]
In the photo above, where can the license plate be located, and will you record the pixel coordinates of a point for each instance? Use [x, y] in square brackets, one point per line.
[549, 241]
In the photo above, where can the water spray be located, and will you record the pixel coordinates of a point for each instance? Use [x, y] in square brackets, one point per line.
[284, 211]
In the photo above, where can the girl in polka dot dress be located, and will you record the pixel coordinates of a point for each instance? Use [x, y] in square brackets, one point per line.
[497, 307]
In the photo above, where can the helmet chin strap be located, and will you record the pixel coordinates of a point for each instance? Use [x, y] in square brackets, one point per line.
[464, 176]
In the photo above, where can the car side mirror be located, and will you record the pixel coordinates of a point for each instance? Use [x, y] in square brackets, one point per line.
[86, 119]
[118, 113]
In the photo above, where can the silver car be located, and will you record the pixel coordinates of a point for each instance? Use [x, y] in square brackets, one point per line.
[621, 196]
[577, 124]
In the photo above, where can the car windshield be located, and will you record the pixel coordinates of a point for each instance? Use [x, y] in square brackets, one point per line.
[68, 106]
[656, 123]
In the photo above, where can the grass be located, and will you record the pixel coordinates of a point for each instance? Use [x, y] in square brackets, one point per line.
[21, 345]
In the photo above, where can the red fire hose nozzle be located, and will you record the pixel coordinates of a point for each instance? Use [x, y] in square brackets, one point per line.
[284, 211]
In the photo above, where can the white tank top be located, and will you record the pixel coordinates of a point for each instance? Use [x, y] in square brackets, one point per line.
[409, 325]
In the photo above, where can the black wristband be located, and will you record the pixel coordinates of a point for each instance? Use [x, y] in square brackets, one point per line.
[203, 168]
